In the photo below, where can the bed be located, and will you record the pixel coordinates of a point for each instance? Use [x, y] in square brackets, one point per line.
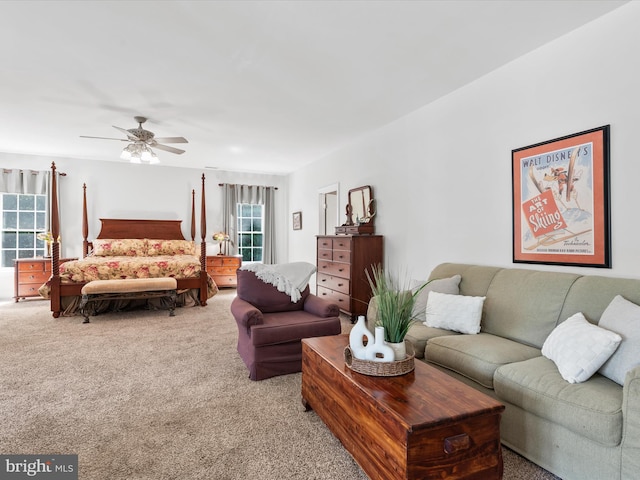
[128, 249]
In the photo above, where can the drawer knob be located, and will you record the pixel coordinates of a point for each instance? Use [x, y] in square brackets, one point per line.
[457, 443]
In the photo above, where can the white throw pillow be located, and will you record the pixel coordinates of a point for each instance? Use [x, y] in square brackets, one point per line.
[579, 348]
[441, 285]
[460, 313]
[622, 317]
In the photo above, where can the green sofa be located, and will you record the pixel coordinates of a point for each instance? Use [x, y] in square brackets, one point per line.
[588, 430]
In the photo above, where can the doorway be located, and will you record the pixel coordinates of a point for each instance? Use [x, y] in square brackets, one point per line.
[329, 208]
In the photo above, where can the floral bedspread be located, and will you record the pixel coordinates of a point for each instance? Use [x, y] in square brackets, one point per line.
[116, 268]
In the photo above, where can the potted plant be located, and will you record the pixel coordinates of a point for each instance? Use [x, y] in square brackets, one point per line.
[395, 307]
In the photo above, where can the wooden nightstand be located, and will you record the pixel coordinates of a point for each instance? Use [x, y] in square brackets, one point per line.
[222, 269]
[30, 274]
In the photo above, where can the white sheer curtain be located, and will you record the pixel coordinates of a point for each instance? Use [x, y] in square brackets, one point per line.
[256, 195]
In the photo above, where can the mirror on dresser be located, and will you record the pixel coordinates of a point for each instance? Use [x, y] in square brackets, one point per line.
[360, 212]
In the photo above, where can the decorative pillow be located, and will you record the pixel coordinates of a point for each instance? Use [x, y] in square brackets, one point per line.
[579, 348]
[442, 285]
[128, 247]
[622, 317]
[170, 247]
[460, 313]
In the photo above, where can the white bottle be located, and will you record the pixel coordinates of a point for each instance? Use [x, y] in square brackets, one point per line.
[356, 338]
[379, 351]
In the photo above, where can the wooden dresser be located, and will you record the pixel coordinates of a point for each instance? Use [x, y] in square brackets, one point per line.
[222, 269]
[341, 278]
[30, 274]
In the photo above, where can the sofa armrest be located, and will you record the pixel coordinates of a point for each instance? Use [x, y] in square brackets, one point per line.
[245, 314]
[631, 425]
[320, 307]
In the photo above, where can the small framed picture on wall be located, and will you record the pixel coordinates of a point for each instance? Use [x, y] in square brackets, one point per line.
[297, 220]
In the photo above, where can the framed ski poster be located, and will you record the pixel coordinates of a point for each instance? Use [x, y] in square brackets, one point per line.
[561, 201]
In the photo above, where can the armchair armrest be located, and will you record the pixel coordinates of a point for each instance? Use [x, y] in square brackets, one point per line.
[631, 424]
[245, 314]
[320, 307]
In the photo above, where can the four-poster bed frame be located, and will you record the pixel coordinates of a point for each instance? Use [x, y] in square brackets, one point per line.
[124, 229]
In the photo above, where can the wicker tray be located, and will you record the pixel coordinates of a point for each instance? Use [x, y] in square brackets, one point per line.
[381, 369]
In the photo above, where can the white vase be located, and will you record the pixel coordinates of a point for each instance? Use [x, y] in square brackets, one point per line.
[356, 338]
[379, 351]
[399, 350]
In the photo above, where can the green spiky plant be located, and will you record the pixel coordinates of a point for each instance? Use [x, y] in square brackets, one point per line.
[395, 303]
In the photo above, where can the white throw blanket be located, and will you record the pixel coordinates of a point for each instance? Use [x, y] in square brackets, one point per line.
[290, 278]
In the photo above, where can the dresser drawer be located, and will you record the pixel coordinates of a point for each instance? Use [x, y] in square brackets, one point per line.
[325, 254]
[334, 268]
[338, 298]
[342, 243]
[325, 243]
[343, 256]
[334, 283]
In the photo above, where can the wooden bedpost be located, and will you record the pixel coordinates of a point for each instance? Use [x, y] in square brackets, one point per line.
[55, 246]
[203, 247]
[85, 223]
[193, 215]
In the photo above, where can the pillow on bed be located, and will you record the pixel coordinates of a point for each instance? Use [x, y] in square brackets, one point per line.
[170, 247]
[129, 247]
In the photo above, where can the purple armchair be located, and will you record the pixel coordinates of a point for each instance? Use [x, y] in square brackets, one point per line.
[271, 327]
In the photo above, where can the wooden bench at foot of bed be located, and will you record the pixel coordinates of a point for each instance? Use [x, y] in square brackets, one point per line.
[129, 289]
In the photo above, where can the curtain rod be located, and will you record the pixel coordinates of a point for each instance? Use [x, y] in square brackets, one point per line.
[222, 185]
[33, 172]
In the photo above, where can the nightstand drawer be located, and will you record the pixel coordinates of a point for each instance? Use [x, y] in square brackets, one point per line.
[33, 266]
[29, 289]
[225, 280]
[221, 261]
[33, 277]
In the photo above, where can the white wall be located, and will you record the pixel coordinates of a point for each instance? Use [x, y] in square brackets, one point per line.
[123, 190]
[442, 175]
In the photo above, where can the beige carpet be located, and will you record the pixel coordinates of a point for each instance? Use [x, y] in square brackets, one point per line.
[141, 395]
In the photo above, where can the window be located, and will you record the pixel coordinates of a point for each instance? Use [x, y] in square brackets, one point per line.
[23, 217]
[250, 232]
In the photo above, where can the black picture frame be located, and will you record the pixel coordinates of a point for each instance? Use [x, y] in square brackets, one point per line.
[561, 200]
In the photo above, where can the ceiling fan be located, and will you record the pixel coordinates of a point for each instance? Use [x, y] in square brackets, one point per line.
[141, 141]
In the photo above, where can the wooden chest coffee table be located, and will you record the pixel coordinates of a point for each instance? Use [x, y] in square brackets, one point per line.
[422, 425]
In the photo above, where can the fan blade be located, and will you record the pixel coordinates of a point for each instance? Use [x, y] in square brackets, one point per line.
[171, 140]
[126, 132]
[107, 138]
[168, 149]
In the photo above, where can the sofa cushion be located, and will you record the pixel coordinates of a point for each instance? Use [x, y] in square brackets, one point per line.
[579, 348]
[460, 313]
[441, 285]
[264, 296]
[622, 317]
[592, 408]
[476, 356]
[419, 334]
[524, 305]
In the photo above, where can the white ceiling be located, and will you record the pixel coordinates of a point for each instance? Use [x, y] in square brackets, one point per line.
[259, 86]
